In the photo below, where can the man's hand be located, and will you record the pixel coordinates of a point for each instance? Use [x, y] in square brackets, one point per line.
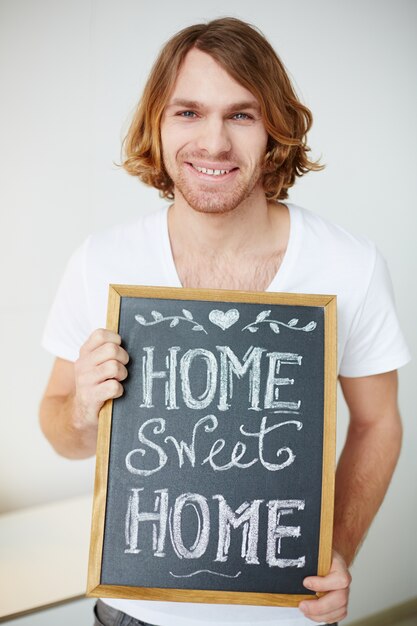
[99, 371]
[76, 392]
[332, 607]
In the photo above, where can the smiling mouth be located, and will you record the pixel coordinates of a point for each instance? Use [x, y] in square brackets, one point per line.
[211, 172]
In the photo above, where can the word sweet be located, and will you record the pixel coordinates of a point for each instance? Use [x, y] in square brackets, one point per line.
[206, 425]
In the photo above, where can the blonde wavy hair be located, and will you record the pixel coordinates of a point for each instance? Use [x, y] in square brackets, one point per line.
[249, 58]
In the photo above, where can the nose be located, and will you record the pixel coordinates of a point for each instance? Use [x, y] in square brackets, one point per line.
[213, 137]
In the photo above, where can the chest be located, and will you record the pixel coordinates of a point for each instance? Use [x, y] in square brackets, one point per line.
[246, 273]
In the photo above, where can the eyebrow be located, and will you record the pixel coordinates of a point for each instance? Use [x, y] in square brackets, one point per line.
[194, 104]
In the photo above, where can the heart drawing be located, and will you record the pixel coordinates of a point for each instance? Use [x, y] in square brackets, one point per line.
[224, 320]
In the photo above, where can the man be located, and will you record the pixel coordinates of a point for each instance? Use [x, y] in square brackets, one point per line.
[221, 132]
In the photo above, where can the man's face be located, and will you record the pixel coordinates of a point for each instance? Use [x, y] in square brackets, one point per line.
[213, 137]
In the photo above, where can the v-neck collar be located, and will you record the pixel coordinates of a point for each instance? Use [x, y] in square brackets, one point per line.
[278, 282]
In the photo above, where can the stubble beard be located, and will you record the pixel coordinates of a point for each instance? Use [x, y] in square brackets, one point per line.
[204, 199]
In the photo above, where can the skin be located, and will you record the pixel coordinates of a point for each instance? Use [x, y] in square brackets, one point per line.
[220, 127]
[225, 234]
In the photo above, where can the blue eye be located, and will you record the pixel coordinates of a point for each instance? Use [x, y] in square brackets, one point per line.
[186, 114]
[242, 116]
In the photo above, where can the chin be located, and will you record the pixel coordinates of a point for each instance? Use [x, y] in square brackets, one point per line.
[214, 203]
[217, 202]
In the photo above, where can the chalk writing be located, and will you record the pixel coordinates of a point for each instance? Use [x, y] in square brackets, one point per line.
[205, 571]
[219, 375]
[217, 404]
[274, 325]
[224, 320]
[157, 426]
[245, 516]
[175, 319]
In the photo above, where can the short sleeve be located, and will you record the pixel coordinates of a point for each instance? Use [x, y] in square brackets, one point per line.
[68, 325]
[375, 343]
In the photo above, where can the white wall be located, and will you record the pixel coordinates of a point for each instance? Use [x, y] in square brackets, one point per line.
[71, 73]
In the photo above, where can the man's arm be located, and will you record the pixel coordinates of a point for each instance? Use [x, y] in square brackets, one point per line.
[368, 459]
[76, 392]
[363, 474]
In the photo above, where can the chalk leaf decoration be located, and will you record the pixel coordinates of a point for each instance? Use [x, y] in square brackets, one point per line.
[187, 314]
[263, 318]
[173, 320]
[224, 320]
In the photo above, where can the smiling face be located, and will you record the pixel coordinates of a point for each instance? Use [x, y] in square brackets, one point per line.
[213, 138]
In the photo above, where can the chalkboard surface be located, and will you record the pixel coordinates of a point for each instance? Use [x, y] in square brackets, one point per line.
[215, 469]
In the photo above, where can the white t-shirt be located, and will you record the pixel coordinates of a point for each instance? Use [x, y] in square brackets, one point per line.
[321, 258]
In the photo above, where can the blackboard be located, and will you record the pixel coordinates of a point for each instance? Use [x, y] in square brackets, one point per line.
[215, 469]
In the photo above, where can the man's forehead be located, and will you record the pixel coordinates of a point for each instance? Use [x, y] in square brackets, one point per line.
[201, 81]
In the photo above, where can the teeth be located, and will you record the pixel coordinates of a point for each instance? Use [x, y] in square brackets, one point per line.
[204, 170]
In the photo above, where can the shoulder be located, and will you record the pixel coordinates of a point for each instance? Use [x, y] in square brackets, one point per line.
[332, 260]
[122, 238]
[334, 236]
[335, 250]
[131, 253]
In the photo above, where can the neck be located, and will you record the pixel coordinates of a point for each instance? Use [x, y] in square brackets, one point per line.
[254, 227]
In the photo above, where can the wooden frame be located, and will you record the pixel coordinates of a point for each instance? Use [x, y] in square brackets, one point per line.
[328, 302]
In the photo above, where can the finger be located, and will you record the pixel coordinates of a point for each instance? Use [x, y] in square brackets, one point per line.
[106, 352]
[90, 401]
[87, 381]
[321, 608]
[339, 579]
[98, 338]
[109, 390]
[331, 618]
[328, 618]
[108, 370]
